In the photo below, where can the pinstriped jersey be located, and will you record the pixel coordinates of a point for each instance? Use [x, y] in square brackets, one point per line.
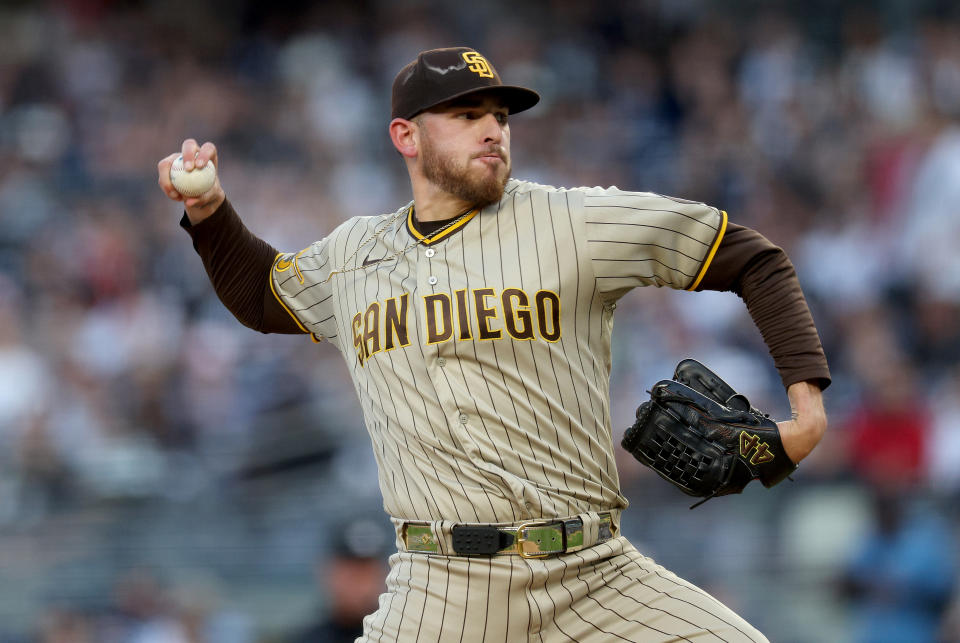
[481, 353]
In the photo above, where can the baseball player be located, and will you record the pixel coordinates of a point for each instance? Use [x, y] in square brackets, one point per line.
[476, 324]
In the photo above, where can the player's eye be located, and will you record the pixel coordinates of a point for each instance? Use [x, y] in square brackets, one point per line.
[473, 115]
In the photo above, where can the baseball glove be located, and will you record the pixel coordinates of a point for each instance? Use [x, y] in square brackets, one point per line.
[704, 437]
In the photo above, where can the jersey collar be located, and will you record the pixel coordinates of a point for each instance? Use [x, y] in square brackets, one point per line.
[441, 234]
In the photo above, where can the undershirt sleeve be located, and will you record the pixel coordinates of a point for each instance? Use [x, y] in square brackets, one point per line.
[748, 264]
[238, 264]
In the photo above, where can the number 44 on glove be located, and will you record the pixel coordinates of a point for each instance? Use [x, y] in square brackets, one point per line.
[704, 437]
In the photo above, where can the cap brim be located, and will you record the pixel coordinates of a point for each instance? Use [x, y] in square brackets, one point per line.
[516, 99]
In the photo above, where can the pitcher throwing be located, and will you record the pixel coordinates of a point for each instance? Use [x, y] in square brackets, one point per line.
[476, 324]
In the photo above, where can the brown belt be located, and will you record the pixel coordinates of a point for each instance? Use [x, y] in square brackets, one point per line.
[531, 539]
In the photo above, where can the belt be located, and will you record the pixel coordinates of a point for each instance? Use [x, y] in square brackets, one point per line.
[531, 539]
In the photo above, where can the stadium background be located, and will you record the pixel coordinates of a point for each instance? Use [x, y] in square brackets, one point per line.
[168, 475]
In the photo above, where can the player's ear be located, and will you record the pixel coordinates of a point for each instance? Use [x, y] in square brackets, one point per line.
[403, 133]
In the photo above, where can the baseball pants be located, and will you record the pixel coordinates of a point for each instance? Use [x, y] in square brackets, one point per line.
[608, 592]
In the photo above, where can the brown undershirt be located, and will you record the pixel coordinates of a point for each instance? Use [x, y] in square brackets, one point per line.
[238, 264]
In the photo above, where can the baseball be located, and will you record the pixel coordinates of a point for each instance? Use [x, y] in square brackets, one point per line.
[195, 182]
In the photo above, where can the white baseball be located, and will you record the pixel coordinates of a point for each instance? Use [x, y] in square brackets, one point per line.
[195, 182]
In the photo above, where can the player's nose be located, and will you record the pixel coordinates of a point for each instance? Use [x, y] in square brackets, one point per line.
[491, 129]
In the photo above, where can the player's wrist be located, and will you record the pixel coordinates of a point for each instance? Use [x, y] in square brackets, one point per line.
[204, 206]
[795, 444]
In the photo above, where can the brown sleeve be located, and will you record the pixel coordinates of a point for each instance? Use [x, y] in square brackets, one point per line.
[238, 264]
[748, 264]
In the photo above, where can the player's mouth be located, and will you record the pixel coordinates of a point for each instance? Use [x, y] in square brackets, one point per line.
[491, 157]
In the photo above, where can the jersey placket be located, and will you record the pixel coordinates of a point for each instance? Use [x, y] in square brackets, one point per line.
[440, 326]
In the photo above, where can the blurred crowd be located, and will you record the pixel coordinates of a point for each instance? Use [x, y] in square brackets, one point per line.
[167, 475]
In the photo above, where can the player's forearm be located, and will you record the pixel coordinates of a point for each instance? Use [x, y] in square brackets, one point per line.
[808, 420]
[238, 264]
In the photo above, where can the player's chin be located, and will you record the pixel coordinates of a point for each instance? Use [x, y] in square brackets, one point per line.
[489, 192]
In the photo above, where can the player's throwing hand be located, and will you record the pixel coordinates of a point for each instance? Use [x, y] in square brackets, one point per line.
[194, 156]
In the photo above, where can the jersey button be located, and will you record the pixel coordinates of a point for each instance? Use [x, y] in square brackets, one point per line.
[463, 418]
[432, 280]
[430, 252]
[441, 361]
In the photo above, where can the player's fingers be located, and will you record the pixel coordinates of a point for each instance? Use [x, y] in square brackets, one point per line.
[163, 177]
[208, 152]
[189, 149]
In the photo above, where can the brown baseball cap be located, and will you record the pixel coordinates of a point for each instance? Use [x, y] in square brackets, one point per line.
[439, 75]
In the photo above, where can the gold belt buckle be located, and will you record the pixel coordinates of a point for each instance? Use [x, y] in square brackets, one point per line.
[522, 538]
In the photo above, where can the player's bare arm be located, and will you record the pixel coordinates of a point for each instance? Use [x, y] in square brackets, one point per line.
[808, 422]
[194, 155]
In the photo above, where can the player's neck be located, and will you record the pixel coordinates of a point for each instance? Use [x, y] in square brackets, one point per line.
[432, 203]
[438, 206]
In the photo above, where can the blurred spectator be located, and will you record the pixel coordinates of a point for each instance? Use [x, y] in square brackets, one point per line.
[26, 381]
[141, 612]
[888, 429]
[943, 450]
[931, 224]
[351, 577]
[900, 578]
[65, 626]
[147, 611]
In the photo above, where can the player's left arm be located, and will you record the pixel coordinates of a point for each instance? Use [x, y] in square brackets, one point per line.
[762, 274]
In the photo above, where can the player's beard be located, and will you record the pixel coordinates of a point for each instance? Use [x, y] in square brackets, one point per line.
[477, 188]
